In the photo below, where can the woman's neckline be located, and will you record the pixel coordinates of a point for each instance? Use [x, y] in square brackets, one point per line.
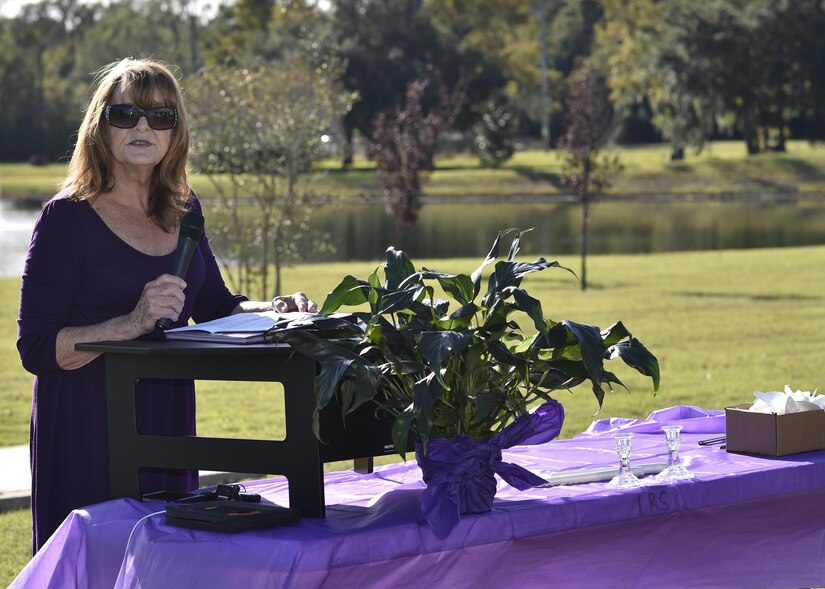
[119, 240]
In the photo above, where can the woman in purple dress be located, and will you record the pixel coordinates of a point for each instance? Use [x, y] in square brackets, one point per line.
[97, 269]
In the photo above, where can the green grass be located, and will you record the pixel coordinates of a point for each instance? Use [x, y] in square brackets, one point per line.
[721, 167]
[723, 324]
[16, 538]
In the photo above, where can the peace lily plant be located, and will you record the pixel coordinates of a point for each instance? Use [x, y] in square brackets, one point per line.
[461, 365]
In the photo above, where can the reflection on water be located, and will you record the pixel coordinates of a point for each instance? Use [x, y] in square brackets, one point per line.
[15, 232]
[363, 232]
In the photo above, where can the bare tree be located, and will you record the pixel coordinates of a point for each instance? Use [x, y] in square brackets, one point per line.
[591, 120]
[256, 132]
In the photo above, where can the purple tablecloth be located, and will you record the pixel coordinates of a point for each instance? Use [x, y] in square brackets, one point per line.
[743, 522]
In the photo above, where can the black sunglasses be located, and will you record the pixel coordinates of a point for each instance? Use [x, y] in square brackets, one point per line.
[126, 116]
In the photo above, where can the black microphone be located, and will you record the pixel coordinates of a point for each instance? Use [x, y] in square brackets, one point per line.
[191, 229]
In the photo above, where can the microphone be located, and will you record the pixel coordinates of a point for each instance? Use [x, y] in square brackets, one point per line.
[191, 229]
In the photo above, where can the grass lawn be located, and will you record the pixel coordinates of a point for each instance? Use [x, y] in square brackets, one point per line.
[722, 323]
[722, 166]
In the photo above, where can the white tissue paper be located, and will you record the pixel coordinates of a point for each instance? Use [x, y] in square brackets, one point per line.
[787, 402]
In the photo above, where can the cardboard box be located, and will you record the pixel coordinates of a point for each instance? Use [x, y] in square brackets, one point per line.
[770, 434]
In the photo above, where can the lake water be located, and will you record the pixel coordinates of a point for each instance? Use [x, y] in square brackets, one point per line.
[15, 233]
[364, 231]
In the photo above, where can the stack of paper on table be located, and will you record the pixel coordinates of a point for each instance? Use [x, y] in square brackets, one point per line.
[241, 328]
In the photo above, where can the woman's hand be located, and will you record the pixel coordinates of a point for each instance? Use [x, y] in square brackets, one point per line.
[162, 298]
[294, 302]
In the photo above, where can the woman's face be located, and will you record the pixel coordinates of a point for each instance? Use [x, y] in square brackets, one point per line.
[141, 147]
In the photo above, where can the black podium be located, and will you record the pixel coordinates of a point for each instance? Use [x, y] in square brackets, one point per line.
[299, 457]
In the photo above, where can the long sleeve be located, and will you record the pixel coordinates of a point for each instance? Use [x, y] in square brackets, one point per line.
[50, 278]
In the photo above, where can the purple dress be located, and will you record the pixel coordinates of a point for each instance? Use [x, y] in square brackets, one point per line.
[78, 272]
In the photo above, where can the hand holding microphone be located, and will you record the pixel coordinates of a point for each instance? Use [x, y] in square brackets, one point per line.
[191, 230]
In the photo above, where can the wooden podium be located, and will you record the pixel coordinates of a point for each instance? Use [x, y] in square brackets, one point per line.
[299, 457]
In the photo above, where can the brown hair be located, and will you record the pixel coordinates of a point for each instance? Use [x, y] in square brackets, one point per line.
[90, 169]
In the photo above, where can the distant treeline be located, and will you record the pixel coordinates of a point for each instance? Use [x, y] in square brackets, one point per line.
[681, 72]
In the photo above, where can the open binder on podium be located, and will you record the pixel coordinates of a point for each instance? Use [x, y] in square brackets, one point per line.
[243, 328]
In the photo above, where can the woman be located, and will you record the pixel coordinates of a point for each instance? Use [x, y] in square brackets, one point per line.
[97, 269]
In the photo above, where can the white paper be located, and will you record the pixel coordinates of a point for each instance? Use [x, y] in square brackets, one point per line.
[242, 322]
[787, 401]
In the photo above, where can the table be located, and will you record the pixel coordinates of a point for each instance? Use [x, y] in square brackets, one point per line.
[299, 456]
[743, 522]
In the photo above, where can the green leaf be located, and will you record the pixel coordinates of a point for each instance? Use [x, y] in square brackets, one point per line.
[397, 268]
[393, 302]
[352, 291]
[375, 284]
[637, 356]
[615, 333]
[554, 379]
[425, 394]
[485, 402]
[496, 321]
[337, 326]
[556, 337]
[531, 306]
[346, 393]
[460, 319]
[326, 383]
[493, 255]
[508, 273]
[502, 354]
[436, 346]
[401, 431]
[592, 348]
[366, 379]
[458, 286]
[334, 358]
[516, 245]
[598, 391]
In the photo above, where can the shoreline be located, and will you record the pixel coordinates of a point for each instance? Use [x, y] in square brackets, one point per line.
[33, 203]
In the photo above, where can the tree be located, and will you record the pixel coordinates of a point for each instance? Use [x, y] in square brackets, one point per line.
[744, 66]
[256, 132]
[387, 44]
[493, 135]
[639, 48]
[586, 170]
[403, 146]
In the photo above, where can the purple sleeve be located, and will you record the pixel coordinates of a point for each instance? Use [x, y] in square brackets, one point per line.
[50, 278]
[214, 299]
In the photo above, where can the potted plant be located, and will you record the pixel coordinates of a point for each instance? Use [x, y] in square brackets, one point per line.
[460, 370]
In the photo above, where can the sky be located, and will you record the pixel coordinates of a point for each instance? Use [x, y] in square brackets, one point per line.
[11, 8]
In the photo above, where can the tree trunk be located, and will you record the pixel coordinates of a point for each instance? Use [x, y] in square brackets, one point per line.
[544, 97]
[348, 149]
[749, 130]
[277, 257]
[585, 224]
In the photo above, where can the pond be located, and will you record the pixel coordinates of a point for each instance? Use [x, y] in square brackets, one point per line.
[364, 231]
[15, 232]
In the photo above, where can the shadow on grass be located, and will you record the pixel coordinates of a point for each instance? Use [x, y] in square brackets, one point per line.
[794, 168]
[802, 169]
[536, 176]
[603, 286]
[750, 296]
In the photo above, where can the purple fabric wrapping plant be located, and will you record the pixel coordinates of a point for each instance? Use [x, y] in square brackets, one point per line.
[460, 472]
